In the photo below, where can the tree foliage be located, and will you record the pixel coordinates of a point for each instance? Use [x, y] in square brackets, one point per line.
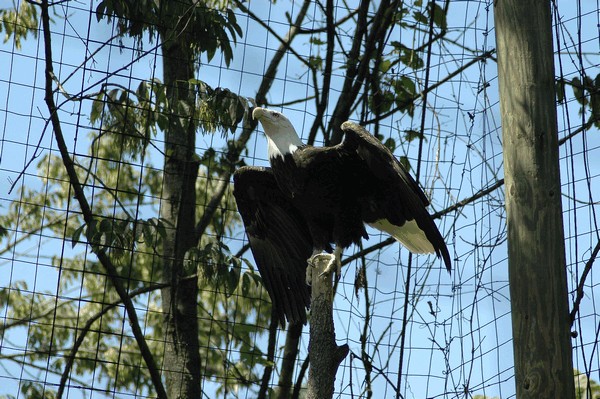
[210, 27]
[18, 22]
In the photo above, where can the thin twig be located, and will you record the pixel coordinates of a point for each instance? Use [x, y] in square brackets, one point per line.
[364, 355]
[437, 215]
[427, 89]
[580, 129]
[586, 271]
[419, 159]
[301, 374]
[337, 24]
[284, 41]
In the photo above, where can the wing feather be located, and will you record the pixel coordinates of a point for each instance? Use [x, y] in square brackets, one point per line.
[406, 201]
[279, 239]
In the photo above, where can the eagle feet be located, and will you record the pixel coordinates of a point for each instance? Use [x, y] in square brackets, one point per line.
[332, 264]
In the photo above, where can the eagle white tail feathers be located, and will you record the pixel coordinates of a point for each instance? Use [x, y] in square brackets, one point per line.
[409, 234]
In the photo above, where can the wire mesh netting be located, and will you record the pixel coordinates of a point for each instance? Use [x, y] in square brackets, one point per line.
[424, 81]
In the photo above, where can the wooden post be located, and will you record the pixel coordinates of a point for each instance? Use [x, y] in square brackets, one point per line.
[537, 275]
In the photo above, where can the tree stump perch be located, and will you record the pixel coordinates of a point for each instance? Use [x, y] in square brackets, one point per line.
[325, 355]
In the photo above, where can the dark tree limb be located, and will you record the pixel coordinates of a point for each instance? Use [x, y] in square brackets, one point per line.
[290, 353]
[364, 355]
[341, 112]
[182, 364]
[268, 371]
[323, 100]
[104, 259]
[86, 328]
[300, 379]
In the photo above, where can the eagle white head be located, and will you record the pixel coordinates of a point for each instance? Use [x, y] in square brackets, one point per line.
[282, 138]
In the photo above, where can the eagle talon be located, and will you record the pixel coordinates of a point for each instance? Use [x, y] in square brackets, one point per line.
[313, 262]
[333, 265]
[331, 262]
[337, 261]
[309, 272]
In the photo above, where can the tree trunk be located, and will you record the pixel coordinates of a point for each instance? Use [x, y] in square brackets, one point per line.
[537, 275]
[178, 207]
[325, 355]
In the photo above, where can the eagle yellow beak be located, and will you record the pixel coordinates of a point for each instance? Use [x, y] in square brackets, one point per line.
[258, 113]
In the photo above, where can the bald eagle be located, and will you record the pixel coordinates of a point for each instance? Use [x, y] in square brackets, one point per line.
[314, 197]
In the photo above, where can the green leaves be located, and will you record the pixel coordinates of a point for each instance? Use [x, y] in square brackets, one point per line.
[433, 10]
[316, 62]
[390, 143]
[217, 27]
[411, 134]
[406, 93]
[206, 29]
[19, 22]
[111, 233]
[408, 56]
[586, 93]
[438, 14]
[130, 119]
[215, 264]
[227, 108]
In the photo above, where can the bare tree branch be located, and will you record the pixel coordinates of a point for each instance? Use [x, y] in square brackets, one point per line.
[419, 163]
[427, 89]
[290, 353]
[437, 215]
[580, 129]
[283, 41]
[236, 148]
[349, 90]
[584, 274]
[326, 28]
[324, 97]
[86, 328]
[364, 336]
[301, 374]
[268, 371]
[86, 210]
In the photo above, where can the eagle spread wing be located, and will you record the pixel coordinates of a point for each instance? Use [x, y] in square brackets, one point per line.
[361, 179]
[401, 212]
[279, 239]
